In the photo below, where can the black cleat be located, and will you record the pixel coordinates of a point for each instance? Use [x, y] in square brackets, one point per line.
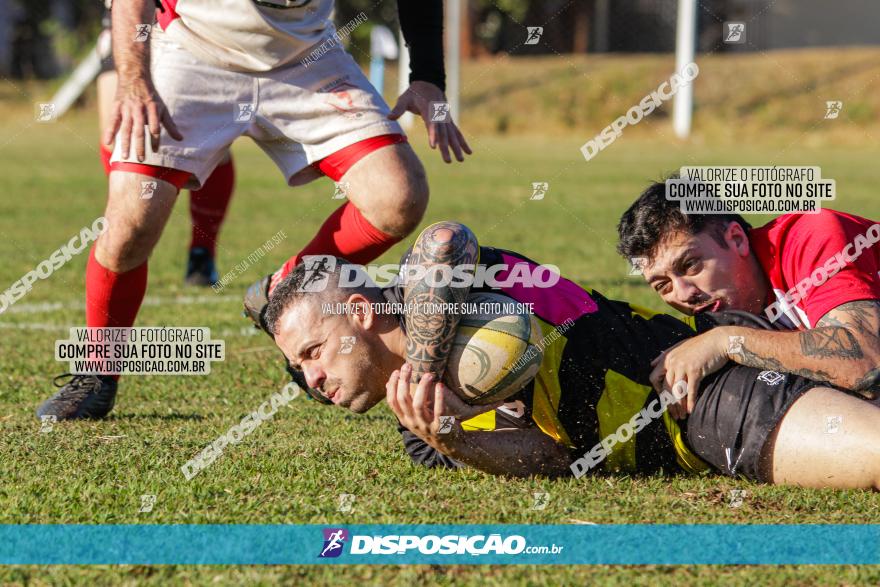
[200, 268]
[83, 396]
[255, 302]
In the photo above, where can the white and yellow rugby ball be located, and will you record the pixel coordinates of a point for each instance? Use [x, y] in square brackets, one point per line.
[494, 354]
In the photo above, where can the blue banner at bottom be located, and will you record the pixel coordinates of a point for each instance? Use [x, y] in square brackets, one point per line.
[440, 544]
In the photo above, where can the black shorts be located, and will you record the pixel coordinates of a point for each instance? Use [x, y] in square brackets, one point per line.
[737, 410]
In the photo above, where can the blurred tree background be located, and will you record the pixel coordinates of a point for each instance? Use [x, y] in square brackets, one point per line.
[44, 38]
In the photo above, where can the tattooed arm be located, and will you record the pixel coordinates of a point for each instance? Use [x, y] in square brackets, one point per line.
[843, 349]
[429, 333]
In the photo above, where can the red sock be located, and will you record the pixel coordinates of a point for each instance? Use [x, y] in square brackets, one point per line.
[345, 234]
[105, 155]
[208, 205]
[113, 299]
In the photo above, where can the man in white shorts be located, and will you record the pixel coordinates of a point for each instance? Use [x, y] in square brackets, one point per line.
[212, 71]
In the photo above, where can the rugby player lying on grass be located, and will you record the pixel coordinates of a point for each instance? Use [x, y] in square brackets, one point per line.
[763, 425]
[814, 276]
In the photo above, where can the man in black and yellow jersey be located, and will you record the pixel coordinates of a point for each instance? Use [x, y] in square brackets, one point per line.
[590, 407]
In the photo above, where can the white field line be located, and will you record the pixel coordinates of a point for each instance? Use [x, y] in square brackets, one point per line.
[148, 301]
[246, 331]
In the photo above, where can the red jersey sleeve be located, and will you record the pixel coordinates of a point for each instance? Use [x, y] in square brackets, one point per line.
[837, 254]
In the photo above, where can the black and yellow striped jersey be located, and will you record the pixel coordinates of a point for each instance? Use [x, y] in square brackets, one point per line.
[593, 377]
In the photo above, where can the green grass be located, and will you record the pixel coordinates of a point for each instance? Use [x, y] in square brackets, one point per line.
[292, 468]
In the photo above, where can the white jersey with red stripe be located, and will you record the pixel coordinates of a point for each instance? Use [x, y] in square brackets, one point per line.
[244, 35]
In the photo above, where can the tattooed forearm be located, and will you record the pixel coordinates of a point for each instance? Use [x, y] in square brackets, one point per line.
[751, 359]
[429, 332]
[842, 350]
[830, 342]
[861, 319]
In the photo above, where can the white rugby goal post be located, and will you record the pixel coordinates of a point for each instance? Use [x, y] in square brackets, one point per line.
[685, 45]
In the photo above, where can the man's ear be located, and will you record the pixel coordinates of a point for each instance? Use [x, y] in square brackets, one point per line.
[737, 238]
[361, 311]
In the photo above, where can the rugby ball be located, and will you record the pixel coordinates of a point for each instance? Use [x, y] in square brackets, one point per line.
[495, 353]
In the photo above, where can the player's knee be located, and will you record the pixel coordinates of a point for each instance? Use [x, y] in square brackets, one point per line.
[404, 203]
[414, 203]
[124, 248]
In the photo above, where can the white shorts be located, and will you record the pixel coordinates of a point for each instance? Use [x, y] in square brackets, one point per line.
[297, 114]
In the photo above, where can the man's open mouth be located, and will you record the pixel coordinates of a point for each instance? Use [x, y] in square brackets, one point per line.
[712, 306]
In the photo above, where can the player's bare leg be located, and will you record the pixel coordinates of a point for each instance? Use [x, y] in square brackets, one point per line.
[136, 214]
[390, 188]
[827, 439]
[137, 210]
[388, 194]
[208, 205]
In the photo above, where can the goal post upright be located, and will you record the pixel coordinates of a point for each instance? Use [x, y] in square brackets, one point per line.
[685, 42]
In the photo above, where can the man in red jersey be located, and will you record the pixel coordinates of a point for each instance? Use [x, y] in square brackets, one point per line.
[813, 277]
[275, 71]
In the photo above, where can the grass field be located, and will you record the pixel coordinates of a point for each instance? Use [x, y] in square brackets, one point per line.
[292, 469]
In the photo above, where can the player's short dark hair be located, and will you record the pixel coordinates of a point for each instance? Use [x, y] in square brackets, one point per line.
[296, 287]
[652, 218]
